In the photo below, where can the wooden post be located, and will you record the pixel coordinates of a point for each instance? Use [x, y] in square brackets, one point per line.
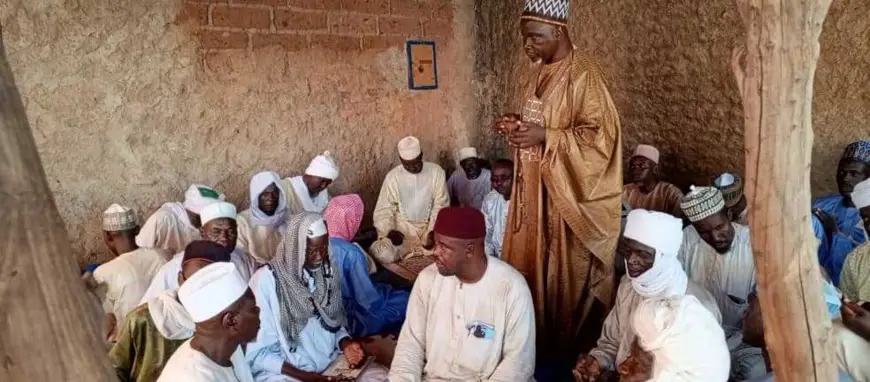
[49, 330]
[781, 51]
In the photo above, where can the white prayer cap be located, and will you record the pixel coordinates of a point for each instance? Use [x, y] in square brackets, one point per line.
[216, 211]
[861, 194]
[317, 229]
[323, 166]
[686, 341]
[647, 152]
[199, 196]
[211, 290]
[467, 152]
[655, 229]
[118, 218]
[409, 148]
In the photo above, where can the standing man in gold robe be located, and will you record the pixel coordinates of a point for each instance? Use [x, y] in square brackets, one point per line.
[564, 221]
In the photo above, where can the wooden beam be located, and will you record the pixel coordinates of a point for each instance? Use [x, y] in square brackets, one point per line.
[782, 49]
[49, 329]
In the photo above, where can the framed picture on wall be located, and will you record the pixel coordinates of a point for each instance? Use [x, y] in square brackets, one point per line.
[422, 65]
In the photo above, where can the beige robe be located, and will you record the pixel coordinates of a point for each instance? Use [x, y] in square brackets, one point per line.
[298, 198]
[258, 241]
[664, 197]
[169, 228]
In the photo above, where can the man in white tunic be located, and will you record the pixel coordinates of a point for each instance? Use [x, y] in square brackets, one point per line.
[226, 316]
[717, 254]
[470, 316]
[469, 186]
[126, 277]
[174, 225]
[218, 226]
[496, 205]
[307, 192]
[260, 225]
[651, 242]
[410, 198]
[303, 320]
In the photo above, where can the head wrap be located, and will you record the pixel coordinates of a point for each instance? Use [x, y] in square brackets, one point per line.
[466, 153]
[259, 183]
[217, 211]
[861, 194]
[858, 151]
[664, 233]
[118, 218]
[323, 166]
[344, 215]
[702, 202]
[686, 341]
[295, 301]
[731, 187]
[211, 290]
[648, 152]
[317, 228]
[409, 148]
[553, 12]
[206, 250]
[460, 223]
[199, 196]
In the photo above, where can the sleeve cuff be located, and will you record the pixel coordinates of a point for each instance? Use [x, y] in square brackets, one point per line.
[603, 360]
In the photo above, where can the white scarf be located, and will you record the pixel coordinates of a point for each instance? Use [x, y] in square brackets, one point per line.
[258, 184]
[169, 316]
[180, 212]
[304, 196]
[664, 233]
[666, 278]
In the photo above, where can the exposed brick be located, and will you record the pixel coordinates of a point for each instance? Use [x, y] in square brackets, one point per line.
[211, 39]
[383, 42]
[443, 28]
[287, 41]
[352, 23]
[399, 25]
[300, 20]
[274, 3]
[240, 17]
[378, 7]
[316, 4]
[336, 42]
[410, 8]
[195, 13]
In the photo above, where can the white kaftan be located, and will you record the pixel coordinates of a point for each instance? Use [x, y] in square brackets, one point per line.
[167, 276]
[299, 199]
[469, 192]
[189, 365]
[169, 228]
[259, 241]
[495, 211]
[439, 342]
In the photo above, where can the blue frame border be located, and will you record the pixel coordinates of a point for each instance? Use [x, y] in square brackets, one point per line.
[411, 84]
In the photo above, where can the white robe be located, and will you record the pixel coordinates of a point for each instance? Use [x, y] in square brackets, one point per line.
[167, 276]
[189, 365]
[258, 241]
[169, 228]
[469, 192]
[437, 343]
[495, 211]
[299, 199]
[127, 278]
[170, 318]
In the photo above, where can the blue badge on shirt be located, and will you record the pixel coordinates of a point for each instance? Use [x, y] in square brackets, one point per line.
[482, 330]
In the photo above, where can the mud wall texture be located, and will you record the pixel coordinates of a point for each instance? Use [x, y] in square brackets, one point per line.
[130, 101]
[667, 63]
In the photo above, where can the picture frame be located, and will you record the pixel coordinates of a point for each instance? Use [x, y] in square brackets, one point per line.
[422, 65]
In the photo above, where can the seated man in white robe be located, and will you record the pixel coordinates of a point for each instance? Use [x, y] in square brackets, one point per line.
[497, 204]
[260, 225]
[226, 316]
[410, 198]
[218, 226]
[717, 254]
[307, 192]
[470, 316]
[174, 225]
[651, 242]
[127, 276]
[303, 320]
[470, 183]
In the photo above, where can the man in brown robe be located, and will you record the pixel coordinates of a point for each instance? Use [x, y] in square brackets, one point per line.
[564, 221]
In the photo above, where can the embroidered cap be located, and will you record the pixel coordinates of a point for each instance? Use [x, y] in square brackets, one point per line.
[118, 218]
[731, 186]
[547, 11]
[858, 151]
[702, 202]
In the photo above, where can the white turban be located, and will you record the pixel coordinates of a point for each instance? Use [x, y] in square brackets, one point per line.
[317, 229]
[118, 218]
[684, 338]
[409, 148]
[467, 152]
[664, 233]
[323, 166]
[861, 194]
[199, 196]
[259, 183]
[211, 290]
[216, 211]
[647, 152]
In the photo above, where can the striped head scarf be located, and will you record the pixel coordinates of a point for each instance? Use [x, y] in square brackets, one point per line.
[702, 202]
[343, 216]
[296, 303]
